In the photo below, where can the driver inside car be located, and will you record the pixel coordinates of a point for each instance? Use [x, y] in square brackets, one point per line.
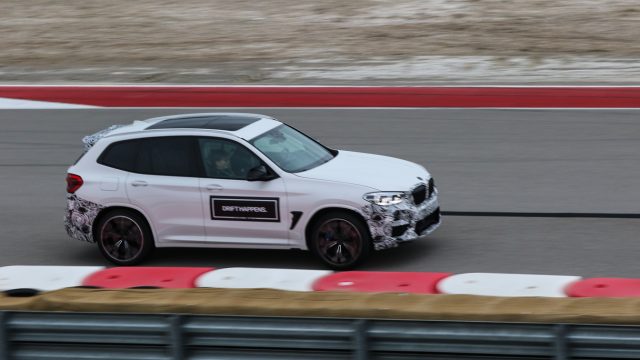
[222, 166]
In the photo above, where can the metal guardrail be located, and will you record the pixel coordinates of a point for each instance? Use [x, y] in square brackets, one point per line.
[79, 336]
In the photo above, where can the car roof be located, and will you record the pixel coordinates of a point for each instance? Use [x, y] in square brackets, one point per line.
[211, 121]
[243, 125]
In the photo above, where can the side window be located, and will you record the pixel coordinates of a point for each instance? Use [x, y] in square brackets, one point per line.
[120, 155]
[226, 159]
[169, 156]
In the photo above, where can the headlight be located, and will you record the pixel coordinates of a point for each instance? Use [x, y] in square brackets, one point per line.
[385, 198]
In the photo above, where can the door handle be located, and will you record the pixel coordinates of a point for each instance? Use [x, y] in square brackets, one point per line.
[139, 183]
[214, 187]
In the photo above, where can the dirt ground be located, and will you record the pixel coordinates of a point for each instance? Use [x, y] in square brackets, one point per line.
[243, 41]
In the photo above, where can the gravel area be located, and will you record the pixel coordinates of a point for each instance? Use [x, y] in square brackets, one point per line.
[332, 41]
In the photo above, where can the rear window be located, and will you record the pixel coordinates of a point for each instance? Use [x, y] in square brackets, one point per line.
[168, 156]
[120, 155]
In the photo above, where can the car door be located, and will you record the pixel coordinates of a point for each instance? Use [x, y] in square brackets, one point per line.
[166, 186]
[240, 212]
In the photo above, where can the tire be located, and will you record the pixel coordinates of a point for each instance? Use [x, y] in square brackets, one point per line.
[340, 240]
[124, 237]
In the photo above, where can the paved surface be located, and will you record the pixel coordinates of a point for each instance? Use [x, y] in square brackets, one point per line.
[483, 160]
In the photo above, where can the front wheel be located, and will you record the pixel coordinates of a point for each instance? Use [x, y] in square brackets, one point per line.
[340, 240]
[124, 237]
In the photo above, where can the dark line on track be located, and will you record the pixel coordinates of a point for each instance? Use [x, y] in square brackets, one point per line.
[541, 215]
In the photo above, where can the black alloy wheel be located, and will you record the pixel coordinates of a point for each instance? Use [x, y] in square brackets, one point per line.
[340, 240]
[124, 237]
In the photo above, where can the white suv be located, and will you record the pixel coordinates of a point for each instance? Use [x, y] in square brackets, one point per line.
[241, 181]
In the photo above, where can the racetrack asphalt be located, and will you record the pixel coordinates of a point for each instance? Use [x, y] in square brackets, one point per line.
[502, 160]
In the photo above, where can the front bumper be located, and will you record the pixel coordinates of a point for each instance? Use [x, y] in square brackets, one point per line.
[394, 224]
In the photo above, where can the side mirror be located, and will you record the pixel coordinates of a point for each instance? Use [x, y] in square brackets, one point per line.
[260, 173]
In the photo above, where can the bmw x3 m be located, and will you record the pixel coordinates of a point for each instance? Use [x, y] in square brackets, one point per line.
[232, 180]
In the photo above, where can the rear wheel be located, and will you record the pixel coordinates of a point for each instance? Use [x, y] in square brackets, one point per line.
[124, 237]
[340, 240]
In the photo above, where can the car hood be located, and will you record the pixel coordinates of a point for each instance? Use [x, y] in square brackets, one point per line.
[378, 172]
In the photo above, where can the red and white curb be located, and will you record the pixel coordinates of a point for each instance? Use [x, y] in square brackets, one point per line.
[44, 278]
[47, 278]
[167, 96]
[251, 278]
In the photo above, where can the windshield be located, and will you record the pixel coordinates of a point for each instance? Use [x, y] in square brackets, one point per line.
[291, 150]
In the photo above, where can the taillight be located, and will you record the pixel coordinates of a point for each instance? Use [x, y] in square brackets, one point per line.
[73, 183]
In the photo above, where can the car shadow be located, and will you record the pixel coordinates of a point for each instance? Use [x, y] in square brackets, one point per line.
[406, 257]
